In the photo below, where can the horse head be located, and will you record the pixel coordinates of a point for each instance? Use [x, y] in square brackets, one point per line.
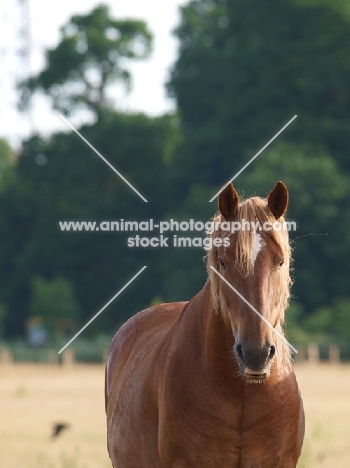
[255, 262]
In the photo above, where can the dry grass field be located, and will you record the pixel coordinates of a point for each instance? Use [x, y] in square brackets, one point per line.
[33, 397]
[326, 394]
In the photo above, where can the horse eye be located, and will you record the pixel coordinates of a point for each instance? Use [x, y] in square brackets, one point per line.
[280, 264]
[222, 264]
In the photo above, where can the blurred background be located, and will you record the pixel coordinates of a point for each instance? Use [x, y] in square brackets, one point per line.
[178, 96]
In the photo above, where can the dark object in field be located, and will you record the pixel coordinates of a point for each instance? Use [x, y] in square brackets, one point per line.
[58, 428]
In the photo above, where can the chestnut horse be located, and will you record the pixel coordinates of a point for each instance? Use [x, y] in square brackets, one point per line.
[208, 383]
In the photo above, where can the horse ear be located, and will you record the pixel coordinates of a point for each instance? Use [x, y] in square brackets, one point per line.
[277, 200]
[228, 202]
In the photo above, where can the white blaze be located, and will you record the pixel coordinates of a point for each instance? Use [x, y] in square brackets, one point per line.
[258, 245]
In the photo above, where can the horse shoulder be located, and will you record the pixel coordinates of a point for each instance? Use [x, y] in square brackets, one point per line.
[131, 380]
[140, 332]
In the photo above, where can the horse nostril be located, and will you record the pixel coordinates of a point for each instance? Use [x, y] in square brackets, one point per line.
[239, 351]
[272, 352]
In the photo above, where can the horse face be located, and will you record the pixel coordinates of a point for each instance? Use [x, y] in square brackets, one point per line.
[255, 305]
[255, 340]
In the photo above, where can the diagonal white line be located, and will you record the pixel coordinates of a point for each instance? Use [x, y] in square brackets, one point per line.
[103, 159]
[254, 309]
[103, 308]
[251, 160]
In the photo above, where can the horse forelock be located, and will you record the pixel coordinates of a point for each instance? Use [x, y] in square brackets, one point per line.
[242, 250]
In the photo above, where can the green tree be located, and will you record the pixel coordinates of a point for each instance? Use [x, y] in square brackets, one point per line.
[246, 67]
[54, 302]
[318, 194]
[2, 317]
[92, 55]
[62, 179]
[7, 163]
[332, 321]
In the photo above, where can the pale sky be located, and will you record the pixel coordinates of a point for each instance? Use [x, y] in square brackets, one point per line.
[149, 76]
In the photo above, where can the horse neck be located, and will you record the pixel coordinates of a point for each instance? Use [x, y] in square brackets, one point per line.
[208, 333]
[211, 339]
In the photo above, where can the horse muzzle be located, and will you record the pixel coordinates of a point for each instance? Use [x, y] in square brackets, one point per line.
[254, 363]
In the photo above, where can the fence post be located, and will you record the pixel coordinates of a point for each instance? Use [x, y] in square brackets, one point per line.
[313, 353]
[68, 358]
[104, 356]
[300, 356]
[52, 357]
[334, 354]
[6, 357]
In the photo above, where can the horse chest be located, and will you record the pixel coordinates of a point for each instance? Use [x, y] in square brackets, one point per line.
[237, 432]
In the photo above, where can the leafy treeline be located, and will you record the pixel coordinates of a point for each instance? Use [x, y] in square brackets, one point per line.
[244, 69]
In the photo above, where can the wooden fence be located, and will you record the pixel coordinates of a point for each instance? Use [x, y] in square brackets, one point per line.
[12, 354]
[314, 354]
[311, 354]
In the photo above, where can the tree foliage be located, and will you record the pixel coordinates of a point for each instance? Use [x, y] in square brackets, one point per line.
[92, 54]
[319, 191]
[54, 302]
[62, 179]
[7, 164]
[244, 69]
